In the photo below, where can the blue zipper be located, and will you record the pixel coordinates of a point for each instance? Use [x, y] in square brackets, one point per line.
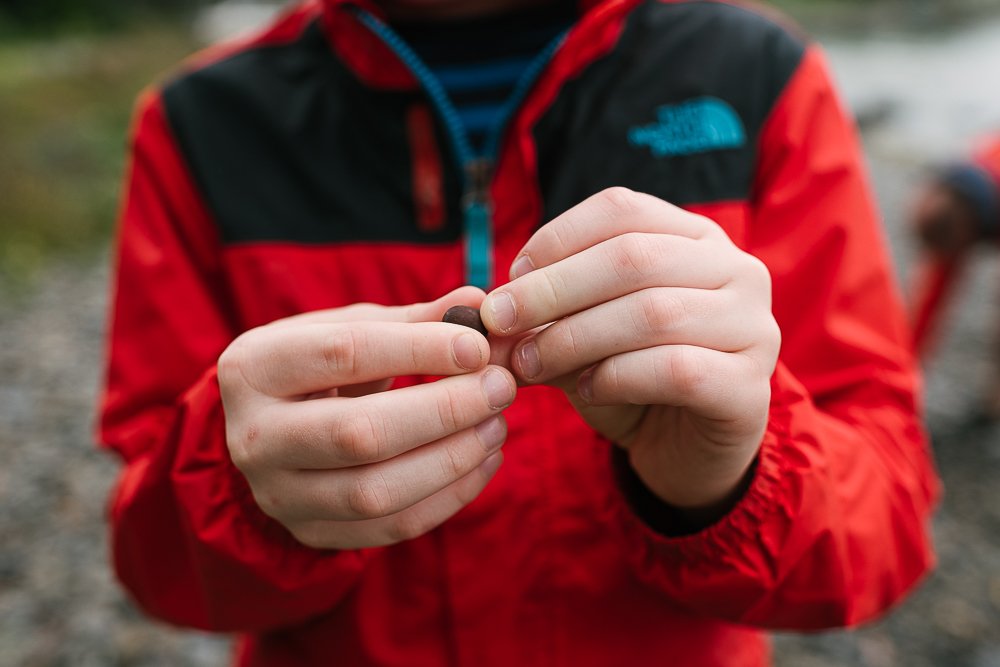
[476, 169]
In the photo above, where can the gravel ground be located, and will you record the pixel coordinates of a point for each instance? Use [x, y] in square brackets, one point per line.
[59, 604]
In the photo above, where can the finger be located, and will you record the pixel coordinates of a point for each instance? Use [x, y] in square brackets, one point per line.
[344, 432]
[502, 347]
[714, 319]
[435, 310]
[714, 385]
[409, 524]
[389, 487]
[619, 266]
[603, 216]
[296, 361]
[431, 311]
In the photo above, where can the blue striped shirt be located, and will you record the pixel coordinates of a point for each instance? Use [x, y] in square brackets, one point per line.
[480, 61]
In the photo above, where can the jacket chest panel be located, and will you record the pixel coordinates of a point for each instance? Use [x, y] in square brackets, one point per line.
[288, 146]
[269, 281]
[675, 111]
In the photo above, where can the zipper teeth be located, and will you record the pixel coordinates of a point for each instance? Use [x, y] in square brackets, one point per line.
[460, 142]
[459, 138]
[477, 212]
[521, 90]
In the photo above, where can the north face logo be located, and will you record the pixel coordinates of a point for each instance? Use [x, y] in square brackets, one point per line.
[695, 126]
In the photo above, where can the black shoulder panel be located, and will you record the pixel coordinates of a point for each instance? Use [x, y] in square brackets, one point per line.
[287, 145]
[675, 110]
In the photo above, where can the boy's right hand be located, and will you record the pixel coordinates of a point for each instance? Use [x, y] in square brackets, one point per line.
[339, 461]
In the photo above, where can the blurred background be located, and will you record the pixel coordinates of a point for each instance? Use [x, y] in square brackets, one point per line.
[922, 77]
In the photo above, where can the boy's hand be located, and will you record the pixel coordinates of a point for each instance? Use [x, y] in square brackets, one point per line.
[336, 458]
[662, 338]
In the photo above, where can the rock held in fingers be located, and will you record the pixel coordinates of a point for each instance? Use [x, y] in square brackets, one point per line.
[466, 316]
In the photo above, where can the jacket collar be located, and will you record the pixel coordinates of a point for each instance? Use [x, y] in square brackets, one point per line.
[373, 6]
[377, 66]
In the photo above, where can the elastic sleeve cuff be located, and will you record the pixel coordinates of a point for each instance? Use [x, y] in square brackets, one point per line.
[663, 532]
[976, 186]
[752, 530]
[662, 517]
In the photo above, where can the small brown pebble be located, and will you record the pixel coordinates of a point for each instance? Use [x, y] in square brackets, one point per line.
[466, 316]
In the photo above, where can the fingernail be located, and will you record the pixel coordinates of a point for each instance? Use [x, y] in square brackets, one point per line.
[491, 433]
[527, 360]
[502, 308]
[521, 266]
[585, 386]
[499, 392]
[467, 352]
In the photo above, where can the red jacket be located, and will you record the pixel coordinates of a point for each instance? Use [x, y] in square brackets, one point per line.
[301, 169]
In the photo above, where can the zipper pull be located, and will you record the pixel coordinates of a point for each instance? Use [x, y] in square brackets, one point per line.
[477, 218]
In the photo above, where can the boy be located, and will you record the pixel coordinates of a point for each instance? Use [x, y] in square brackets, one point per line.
[313, 459]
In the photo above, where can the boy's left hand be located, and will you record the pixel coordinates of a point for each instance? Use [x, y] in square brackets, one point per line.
[661, 336]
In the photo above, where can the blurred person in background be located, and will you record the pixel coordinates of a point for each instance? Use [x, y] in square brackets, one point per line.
[313, 459]
[955, 211]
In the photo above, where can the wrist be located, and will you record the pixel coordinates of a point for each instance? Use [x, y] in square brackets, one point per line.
[682, 509]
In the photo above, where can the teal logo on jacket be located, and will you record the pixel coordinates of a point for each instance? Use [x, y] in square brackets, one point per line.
[698, 125]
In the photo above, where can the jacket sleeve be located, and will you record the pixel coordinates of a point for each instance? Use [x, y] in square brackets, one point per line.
[833, 528]
[189, 542]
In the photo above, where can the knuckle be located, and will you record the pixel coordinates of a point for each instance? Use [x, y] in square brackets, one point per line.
[709, 228]
[240, 454]
[268, 503]
[242, 440]
[687, 372]
[570, 340]
[561, 236]
[633, 257]
[453, 463]
[770, 343]
[774, 336]
[232, 363]
[468, 491]
[557, 236]
[757, 271]
[769, 331]
[618, 200]
[310, 534]
[368, 497]
[408, 526]
[659, 312]
[549, 287]
[449, 412]
[229, 364]
[608, 378]
[358, 438]
[340, 353]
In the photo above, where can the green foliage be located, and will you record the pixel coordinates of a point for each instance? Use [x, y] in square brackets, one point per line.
[65, 107]
[48, 16]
